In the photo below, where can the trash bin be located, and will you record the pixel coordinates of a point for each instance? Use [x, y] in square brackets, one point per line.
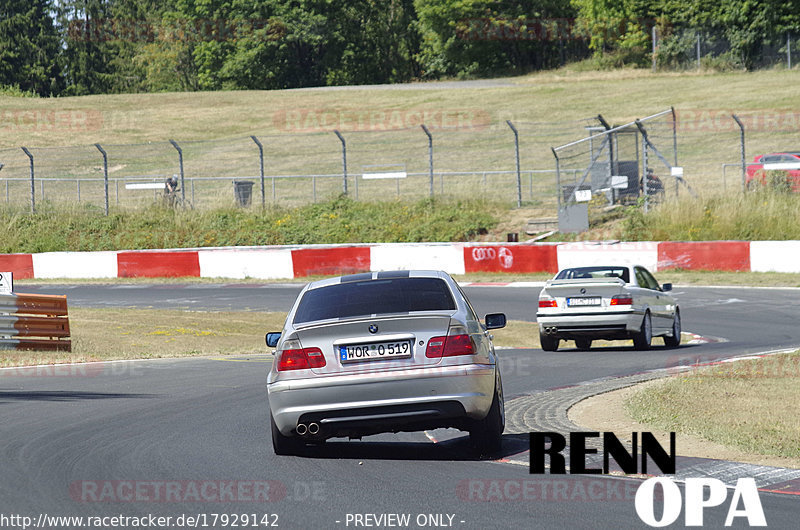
[243, 191]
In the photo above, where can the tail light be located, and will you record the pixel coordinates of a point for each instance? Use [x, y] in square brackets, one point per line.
[294, 357]
[457, 342]
[621, 299]
[548, 303]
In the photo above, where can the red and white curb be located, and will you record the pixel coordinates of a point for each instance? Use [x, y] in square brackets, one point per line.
[288, 262]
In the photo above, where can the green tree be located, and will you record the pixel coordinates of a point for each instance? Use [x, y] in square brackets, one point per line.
[29, 47]
[483, 37]
[87, 52]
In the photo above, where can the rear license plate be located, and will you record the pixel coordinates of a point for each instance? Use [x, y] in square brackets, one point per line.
[584, 301]
[375, 351]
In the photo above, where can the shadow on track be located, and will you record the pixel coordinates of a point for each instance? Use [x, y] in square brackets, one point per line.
[63, 395]
[456, 449]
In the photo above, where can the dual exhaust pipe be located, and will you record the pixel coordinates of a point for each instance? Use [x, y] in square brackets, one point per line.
[550, 330]
[311, 429]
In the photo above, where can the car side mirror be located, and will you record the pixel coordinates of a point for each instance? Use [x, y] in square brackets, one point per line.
[495, 320]
[666, 287]
[272, 338]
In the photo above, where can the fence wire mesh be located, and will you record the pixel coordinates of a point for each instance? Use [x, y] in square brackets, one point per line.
[472, 156]
[615, 164]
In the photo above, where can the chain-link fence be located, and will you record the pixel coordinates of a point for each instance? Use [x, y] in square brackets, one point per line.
[459, 158]
[502, 159]
[686, 48]
[617, 165]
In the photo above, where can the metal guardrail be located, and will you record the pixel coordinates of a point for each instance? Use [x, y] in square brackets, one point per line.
[34, 322]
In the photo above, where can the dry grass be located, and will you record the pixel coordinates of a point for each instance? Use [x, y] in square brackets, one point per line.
[754, 216]
[750, 405]
[545, 106]
[121, 334]
[111, 334]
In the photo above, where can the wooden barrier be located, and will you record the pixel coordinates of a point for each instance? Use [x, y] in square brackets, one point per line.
[34, 322]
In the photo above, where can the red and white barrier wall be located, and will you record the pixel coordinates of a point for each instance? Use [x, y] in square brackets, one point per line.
[286, 262]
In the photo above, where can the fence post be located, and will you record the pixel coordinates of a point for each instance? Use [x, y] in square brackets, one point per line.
[180, 163]
[261, 166]
[654, 39]
[344, 161]
[645, 188]
[430, 155]
[789, 50]
[675, 144]
[33, 181]
[516, 150]
[698, 51]
[558, 178]
[105, 175]
[645, 146]
[741, 148]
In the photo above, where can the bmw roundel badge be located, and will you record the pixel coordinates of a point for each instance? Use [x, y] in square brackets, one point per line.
[373, 328]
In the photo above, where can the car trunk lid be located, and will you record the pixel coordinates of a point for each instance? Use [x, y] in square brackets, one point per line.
[386, 342]
[582, 295]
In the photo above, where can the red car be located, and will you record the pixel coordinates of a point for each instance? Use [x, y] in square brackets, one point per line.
[757, 174]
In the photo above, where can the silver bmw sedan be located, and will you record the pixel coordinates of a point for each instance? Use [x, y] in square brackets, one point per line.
[384, 352]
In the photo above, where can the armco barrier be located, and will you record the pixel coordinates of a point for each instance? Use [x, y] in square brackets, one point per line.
[704, 255]
[511, 258]
[158, 264]
[34, 322]
[336, 260]
[20, 264]
[585, 253]
[288, 262]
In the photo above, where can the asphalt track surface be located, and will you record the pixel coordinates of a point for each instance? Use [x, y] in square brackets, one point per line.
[193, 434]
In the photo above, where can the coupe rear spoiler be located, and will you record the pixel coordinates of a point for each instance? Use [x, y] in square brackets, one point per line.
[586, 281]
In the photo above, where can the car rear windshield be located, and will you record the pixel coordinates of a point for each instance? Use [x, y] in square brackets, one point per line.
[352, 299]
[594, 272]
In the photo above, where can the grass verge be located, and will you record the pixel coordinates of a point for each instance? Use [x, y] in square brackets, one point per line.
[339, 220]
[124, 334]
[754, 216]
[748, 405]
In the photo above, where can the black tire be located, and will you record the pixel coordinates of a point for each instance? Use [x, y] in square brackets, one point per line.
[284, 445]
[548, 343]
[486, 435]
[675, 340]
[583, 344]
[642, 339]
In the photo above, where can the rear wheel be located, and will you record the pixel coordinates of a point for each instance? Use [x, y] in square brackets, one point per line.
[486, 435]
[548, 342]
[583, 344]
[675, 340]
[283, 445]
[642, 339]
